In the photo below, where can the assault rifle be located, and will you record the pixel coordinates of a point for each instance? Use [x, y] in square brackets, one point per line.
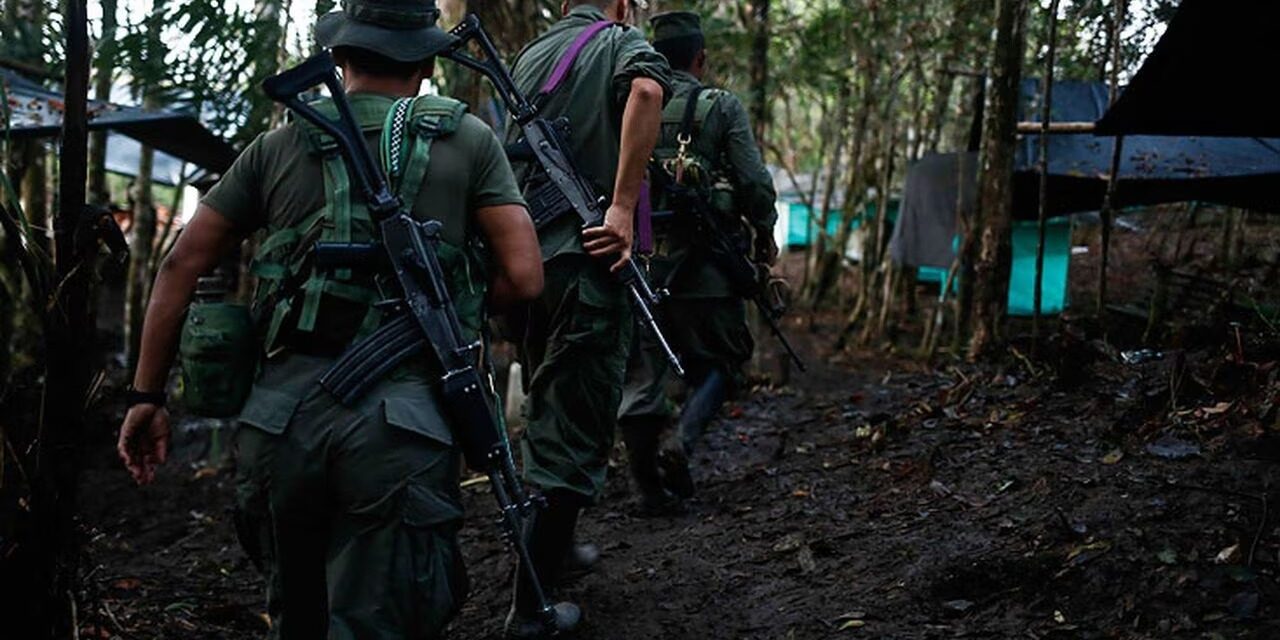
[743, 275]
[559, 187]
[424, 318]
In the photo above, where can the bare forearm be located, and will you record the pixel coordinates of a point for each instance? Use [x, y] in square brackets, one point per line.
[641, 124]
[203, 242]
[170, 296]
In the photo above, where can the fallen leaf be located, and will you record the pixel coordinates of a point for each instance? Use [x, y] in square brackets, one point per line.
[852, 624]
[127, 584]
[805, 558]
[1059, 618]
[1102, 546]
[204, 472]
[789, 542]
[1230, 555]
[1217, 409]
[1167, 556]
[799, 493]
[1113, 457]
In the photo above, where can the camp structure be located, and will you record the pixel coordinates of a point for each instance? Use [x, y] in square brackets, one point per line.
[799, 226]
[1153, 170]
[1203, 76]
[36, 112]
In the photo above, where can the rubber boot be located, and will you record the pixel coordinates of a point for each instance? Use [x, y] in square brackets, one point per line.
[550, 540]
[581, 560]
[641, 437]
[703, 405]
[673, 463]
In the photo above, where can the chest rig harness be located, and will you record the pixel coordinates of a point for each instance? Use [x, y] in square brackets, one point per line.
[682, 171]
[290, 290]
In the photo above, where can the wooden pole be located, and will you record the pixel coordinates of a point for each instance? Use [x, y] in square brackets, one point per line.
[1046, 116]
[1113, 178]
[68, 340]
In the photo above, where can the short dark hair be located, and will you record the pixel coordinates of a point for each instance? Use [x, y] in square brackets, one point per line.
[602, 4]
[372, 63]
[681, 52]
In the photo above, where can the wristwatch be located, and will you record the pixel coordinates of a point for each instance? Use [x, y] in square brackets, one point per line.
[134, 397]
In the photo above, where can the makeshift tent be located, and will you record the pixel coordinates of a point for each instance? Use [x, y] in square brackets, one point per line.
[36, 112]
[1207, 75]
[1230, 171]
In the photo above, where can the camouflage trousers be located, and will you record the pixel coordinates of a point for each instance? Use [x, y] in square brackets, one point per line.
[574, 349]
[351, 512]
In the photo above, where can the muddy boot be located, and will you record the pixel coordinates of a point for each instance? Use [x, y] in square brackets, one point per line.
[703, 405]
[550, 541]
[641, 438]
[673, 463]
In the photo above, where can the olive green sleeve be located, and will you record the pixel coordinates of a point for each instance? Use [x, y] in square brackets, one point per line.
[492, 181]
[238, 194]
[637, 59]
[751, 178]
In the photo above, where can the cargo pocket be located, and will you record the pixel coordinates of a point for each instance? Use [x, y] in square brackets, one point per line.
[269, 409]
[597, 314]
[421, 415]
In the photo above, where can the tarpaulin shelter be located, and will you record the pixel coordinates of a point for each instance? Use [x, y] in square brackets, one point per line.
[36, 112]
[1239, 172]
[1207, 76]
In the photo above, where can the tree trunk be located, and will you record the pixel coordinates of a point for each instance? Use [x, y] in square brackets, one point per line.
[1113, 179]
[760, 69]
[995, 192]
[68, 333]
[138, 285]
[104, 68]
[1046, 116]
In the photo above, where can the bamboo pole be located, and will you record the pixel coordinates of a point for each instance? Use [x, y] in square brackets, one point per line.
[1113, 177]
[1046, 115]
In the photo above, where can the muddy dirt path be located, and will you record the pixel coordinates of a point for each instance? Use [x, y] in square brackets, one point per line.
[870, 498]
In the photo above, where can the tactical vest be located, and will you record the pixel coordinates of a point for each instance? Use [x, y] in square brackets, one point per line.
[679, 160]
[290, 293]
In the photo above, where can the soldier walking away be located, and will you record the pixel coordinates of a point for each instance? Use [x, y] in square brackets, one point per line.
[608, 83]
[352, 511]
[706, 152]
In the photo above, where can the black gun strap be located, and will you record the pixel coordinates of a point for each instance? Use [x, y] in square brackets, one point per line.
[690, 112]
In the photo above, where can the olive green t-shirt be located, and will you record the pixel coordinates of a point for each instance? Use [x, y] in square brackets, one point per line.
[278, 181]
[592, 98]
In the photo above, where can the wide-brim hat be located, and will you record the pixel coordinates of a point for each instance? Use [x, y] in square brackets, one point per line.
[403, 30]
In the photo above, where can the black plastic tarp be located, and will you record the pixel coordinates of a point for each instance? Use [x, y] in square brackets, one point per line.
[1154, 169]
[1211, 74]
[36, 112]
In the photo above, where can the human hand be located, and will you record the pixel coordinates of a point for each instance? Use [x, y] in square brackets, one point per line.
[613, 238]
[766, 250]
[144, 441]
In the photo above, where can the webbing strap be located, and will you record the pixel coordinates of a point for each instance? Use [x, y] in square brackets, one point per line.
[570, 56]
[690, 113]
